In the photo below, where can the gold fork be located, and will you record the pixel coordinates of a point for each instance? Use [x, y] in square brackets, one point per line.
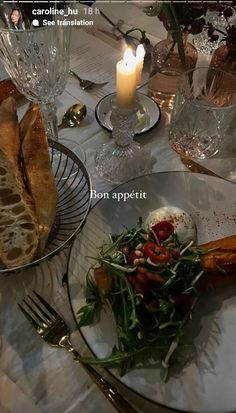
[53, 329]
[86, 84]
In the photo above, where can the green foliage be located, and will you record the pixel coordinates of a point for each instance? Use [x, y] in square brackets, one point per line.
[143, 323]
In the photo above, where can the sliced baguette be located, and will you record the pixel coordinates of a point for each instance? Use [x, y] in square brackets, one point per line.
[38, 171]
[7, 88]
[18, 224]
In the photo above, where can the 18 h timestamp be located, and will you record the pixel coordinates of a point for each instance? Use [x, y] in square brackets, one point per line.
[90, 11]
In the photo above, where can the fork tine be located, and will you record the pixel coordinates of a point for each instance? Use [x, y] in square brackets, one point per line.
[47, 306]
[45, 315]
[37, 315]
[29, 318]
[74, 74]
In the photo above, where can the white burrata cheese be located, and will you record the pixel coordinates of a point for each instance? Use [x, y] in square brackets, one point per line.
[182, 222]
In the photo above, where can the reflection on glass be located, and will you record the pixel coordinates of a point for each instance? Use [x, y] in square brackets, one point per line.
[37, 60]
[204, 109]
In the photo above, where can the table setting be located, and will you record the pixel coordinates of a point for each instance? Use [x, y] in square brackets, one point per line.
[117, 171]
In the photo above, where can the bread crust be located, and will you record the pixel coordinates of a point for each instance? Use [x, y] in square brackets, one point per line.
[9, 132]
[18, 224]
[7, 88]
[38, 171]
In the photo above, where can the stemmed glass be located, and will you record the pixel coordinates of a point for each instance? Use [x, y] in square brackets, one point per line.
[204, 112]
[37, 61]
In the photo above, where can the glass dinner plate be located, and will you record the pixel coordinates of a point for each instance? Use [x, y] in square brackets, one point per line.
[207, 382]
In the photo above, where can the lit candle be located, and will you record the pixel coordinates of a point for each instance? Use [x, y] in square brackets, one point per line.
[126, 79]
[140, 53]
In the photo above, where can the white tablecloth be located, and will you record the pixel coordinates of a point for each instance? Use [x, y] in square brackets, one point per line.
[34, 377]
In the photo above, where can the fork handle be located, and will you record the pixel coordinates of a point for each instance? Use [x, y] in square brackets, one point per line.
[114, 397]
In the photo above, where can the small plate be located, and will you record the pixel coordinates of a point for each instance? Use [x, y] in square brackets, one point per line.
[146, 121]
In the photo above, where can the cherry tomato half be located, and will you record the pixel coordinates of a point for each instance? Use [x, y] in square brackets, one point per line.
[157, 253]
[131, 257]
[163, 230]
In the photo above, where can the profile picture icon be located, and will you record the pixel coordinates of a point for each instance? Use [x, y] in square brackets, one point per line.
[17, 19]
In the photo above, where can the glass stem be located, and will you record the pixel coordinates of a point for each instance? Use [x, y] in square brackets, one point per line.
[48, 111]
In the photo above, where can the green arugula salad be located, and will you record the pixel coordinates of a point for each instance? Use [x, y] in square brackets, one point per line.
[147, 276]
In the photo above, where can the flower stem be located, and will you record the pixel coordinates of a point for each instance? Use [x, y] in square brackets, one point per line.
[216, 30]
[175, 27]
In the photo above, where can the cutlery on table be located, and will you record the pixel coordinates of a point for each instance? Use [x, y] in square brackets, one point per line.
[54, 331]
[73, 116]
[86, 84]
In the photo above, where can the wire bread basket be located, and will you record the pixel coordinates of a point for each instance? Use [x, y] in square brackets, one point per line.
[74, 186]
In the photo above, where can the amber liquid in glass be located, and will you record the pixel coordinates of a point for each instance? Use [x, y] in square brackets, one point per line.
[167, 66]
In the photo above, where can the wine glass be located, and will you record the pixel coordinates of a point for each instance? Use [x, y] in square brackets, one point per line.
[37, 60]
[204, 112]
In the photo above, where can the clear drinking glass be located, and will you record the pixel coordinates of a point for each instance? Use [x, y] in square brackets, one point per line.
[37, 61]
[203, 113]
[167, 67]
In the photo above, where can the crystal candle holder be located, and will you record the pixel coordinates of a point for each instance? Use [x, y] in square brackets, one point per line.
[122, 158]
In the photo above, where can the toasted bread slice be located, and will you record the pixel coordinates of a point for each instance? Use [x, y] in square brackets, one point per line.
[38, 171]
[220, 264]
[7, 88]
[18, 225]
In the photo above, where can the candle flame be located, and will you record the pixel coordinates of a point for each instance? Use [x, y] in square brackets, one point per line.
[140, 52]
[128, 56]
